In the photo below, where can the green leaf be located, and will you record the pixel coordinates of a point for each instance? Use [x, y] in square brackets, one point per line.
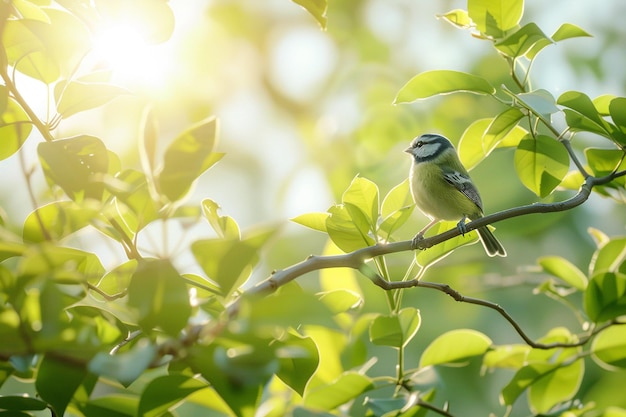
[113, 405]
[541, 164]
[347, 232]
[506, 357]
[539, 101]
[341, 300]
[315, 221]
[346, 388]
[21, 402]
[587, 117]
[77, 165]
[48, 386]
[165, 391]
[229, 262]
[472, 148]
[436, 253]
[528, 40]
[432, 83]
[159, 294]
[500, 127]
[15, 126]
[75, 96]
[457, 17]
[317, 9]
[238, 377]
[58, 220]
[64, 265]
[617, 110]
[187, 157]
[10, 249]
[567, 31]
[225, 226]
[610, 257]
[133, 192]
[299, 359]
[555, 387]
[363, 195]
[605, 298]
[609, 348]
[127, 366]
[396, 330]
[455, 346]
[565, 270]
[396, 209]
[495, 17]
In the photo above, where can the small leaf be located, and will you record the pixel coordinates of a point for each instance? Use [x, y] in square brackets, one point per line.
[605, 297]
[506, 357]
[455, 346]
[346, 388]
[299, 359]
[396, 330]
[317, 9]
[77, 165]
[187, 157]
[315, 221]
[555, 387]
[609, 348]
[134, 194]
[224, 226]
[457, 17]
[567, 31]
[159, 294]
[15, 126]
[617, 110]
[565, 270]
[112, 405]
[19, 402]
[500, 127]
[341, 300]
[539, 101]
[472, 147]
[432, 83]
[163, 392]
[346, 232]
[541, 164]
[127, 366]
[48, 386]
[528, 40]
[58, 220]
[75, 96]
[610, 256]
[495, 17]
[363, 194]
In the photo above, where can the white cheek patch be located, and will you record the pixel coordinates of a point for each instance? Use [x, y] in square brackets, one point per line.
[428, 150]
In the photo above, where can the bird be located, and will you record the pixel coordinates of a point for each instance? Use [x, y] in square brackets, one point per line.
[443, 190]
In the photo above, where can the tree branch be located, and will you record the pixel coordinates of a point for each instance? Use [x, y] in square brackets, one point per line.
[357, 260]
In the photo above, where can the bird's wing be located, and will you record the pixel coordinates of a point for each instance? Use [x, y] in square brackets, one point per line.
[464, 184]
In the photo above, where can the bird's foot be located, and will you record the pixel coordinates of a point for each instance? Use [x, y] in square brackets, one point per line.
[415, 243]
[461, 226]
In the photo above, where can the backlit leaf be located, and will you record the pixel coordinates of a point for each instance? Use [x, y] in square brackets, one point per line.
[457, 17]
[363, 194]
[472, 148]
[395, 330]
[315, 221]
[565, 270]
[299, 359]
[436, 253]
[605, 297]
[528, 40]
[495, 17]
[567, 31]
[165, 391]
[15, 126]
[48, 386]
[609, 348]
[455, 346]
[317, 8]
[541, 164]
[75, 96]
[187, 157]
[346, 388]
[77, 165]
[58, 220]
[224, 226]
[159, 294]
[432, 83]
[347, 232]
[556, 386]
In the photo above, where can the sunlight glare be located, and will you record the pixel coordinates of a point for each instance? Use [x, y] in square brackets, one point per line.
[124, 49]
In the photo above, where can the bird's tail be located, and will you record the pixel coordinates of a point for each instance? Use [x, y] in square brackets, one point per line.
[492, 246]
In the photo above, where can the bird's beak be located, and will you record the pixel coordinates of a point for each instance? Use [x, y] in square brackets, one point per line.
[408, 150]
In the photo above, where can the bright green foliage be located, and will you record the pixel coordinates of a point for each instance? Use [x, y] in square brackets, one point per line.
[106, 311]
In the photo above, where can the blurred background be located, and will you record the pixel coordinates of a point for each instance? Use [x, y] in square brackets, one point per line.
[302, 111]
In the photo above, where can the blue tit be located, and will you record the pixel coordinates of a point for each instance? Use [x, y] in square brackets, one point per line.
[443, 190]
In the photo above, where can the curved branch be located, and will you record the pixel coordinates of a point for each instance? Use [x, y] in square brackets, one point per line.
[357, 259]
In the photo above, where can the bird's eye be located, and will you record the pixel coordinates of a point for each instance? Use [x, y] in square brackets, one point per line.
[419, 144]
